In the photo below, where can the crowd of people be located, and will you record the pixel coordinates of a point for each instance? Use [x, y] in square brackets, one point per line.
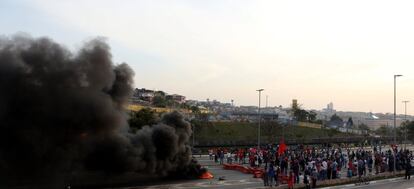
[315, 163]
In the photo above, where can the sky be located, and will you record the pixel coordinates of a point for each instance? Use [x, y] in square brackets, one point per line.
[345, 52]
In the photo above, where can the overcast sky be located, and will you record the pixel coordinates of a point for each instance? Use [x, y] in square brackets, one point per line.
[345, 52]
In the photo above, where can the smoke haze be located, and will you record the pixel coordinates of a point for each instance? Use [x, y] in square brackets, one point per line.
[63, 112]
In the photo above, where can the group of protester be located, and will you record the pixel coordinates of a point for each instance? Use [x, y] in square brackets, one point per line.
[315, 163]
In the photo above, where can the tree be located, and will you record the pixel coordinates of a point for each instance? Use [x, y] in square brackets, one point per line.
[312, 116]
[301, 115]
[336, 118]
[143, 117]
[335, 121]
[159, 101]
[350, 123]
[364, 128]
[319, 121]
[410, 130]
[383, 131]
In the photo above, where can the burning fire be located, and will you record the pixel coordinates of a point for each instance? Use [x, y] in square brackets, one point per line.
[206, 175]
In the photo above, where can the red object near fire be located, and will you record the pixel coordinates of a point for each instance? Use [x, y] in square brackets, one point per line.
[206, 175]
[258, 174]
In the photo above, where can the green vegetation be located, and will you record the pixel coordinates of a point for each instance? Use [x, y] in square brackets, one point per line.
[336, 118]
[409, 127]
[141, 118]
[304, 116]
[271, 132]
[389, 131]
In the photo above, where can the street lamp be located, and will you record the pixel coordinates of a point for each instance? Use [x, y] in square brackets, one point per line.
[405, 121]
[395, 115]
[258, 131]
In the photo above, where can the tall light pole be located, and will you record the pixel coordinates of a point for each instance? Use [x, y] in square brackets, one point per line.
[405, 122]
[260, 119]
[266, 100]
[395, 116]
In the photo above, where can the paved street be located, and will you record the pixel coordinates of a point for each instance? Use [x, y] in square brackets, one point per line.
[396, 183]
[236, 179]
[232, 179]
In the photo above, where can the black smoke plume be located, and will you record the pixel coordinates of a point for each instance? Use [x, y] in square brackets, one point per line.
[62, 114]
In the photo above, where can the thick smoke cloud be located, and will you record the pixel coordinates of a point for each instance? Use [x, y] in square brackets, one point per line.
[63, 113]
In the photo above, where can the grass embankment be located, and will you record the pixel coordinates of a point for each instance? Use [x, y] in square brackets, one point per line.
[270, 132]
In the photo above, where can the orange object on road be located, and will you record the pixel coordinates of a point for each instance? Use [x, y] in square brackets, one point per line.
[206, 175]
[258, 174]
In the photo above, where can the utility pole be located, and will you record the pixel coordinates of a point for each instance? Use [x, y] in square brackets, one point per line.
[266, 100]
[260, 119]
[395, 118]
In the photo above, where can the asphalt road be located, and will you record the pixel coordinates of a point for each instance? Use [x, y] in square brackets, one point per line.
[236, 179]
[232, 179]
[396, 183]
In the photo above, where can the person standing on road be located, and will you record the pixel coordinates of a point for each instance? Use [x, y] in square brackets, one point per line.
[291, 180]
[229, 160]
[271, 174]
[408, 170]
[314, 177]
[221, 157]
[265, 177]
[295, 168]
[360, 166]
[277, 173]
[324, 170]
[334, 169]
[306, 178]
[370, 162]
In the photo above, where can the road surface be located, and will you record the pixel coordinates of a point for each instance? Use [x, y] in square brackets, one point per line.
[396, 183]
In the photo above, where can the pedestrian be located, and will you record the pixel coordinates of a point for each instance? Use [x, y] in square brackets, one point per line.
[277, 173]
[265, 177]
[271, 174]
[229, 160]
[306, 180]
[324, 170]
[370, 162]
[314, 177]
[291, 180]
[408, 170]
[221, 157]
[334, 169]
[295, 169]
[360, 168]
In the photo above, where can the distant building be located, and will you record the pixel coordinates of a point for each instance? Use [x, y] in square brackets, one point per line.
[176, 98]
[144, 94]
[328, 111]
[294, 103]
[330, 106]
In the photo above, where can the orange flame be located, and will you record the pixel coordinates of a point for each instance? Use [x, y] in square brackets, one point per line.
[206, 175]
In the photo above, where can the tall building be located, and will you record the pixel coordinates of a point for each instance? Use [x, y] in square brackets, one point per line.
[330, 106]
[294, 103]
